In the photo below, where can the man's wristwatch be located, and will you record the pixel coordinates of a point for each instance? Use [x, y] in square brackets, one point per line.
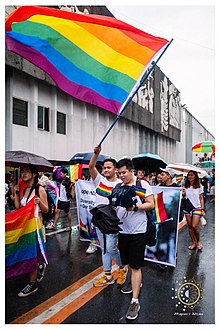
[135, 209]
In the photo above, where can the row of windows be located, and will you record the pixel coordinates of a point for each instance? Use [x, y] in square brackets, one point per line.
[20, 116]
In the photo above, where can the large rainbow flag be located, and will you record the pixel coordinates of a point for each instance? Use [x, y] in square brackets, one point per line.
[24, 240]
[96, 59]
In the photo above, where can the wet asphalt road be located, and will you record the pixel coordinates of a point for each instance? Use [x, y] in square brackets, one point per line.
[181, 295]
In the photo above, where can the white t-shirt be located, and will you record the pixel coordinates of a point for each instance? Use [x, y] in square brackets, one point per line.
[193, 195]
[63, 197]
[134, 222]
[103, 188]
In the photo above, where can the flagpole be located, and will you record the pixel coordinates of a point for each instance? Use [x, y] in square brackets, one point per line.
[129, 99]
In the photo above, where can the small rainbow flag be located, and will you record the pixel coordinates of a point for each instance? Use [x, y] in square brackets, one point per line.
[96, 59]
[103, 190]
[24, 240]
[159, 213]
[141, 192]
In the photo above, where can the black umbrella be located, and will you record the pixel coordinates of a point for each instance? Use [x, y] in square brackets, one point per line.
[18, 158]
[148, 161]
[84, 158]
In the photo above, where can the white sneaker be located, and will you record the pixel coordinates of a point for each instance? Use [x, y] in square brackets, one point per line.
[92, 248]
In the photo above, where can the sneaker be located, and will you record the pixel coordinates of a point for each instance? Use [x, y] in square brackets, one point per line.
[133, 310]
[68, 228]
[41, 271]
[104, 281]
[29, 289]
[122, 274]
[91, 249]
[127, 288]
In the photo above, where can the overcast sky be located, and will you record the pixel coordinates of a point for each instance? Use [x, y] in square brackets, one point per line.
[189, 61]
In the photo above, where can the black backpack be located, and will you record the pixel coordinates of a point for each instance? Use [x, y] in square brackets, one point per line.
[105, 218]
[123, 195]
[51, 205]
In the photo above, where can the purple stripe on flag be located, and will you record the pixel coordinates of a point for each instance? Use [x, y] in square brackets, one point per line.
[22, 267]
[80, 92]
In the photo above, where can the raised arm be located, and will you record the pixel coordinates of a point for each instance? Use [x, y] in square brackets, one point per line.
[92, 169]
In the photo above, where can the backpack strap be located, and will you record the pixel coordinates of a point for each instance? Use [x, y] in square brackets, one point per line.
[36, 187]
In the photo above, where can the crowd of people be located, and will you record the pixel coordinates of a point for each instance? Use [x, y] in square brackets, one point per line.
[127, 247]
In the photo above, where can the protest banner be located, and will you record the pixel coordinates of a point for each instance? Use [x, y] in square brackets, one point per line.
[166, 218]
[85, 201]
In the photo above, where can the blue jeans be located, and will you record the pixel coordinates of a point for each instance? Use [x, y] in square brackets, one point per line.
[112, 252]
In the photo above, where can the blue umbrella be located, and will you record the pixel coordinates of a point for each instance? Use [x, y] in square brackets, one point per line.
[84, 158]
[148, 161]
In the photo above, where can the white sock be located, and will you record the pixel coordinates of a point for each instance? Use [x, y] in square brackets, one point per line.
[134, 300]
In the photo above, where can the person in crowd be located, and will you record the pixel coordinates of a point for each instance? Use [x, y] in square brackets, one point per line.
[158, 179]
[63, 200]
[92, 247]
[109, 180]
[141, 175]
[42, 179]
[29, 175]
[204, 182]
[132, 238]
[152, 179]
[212, 186]
[167, 175]
[193, 190]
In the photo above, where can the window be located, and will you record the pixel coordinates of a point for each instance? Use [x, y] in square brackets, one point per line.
[20, 112]
[61, 123]
[43, 118]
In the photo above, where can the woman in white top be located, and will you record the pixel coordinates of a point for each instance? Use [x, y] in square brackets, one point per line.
[29, 175]
[194, 192]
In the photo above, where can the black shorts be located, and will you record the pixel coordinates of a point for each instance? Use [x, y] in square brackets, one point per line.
[65, 206]
[132, 247]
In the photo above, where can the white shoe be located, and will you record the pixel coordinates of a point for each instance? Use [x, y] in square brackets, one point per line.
[91, 249]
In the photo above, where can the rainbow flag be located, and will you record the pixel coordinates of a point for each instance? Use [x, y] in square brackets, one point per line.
[96, 59]
[141, 192]
[24, 240]
[159, 212]
[103, 190]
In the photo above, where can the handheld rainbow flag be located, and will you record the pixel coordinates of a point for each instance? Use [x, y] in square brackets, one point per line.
[141, 192]
[97, 59]
[159, 212]
[24, 240]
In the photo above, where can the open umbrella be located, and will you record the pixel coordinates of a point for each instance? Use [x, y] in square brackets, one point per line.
[18, 158]
[148, 161]
[186, 167]
[84, 158]
[207, 163]
[206, 146]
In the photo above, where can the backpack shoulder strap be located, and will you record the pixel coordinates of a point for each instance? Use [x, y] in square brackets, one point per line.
[37, 190]
[36, 187]
[138, 183]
